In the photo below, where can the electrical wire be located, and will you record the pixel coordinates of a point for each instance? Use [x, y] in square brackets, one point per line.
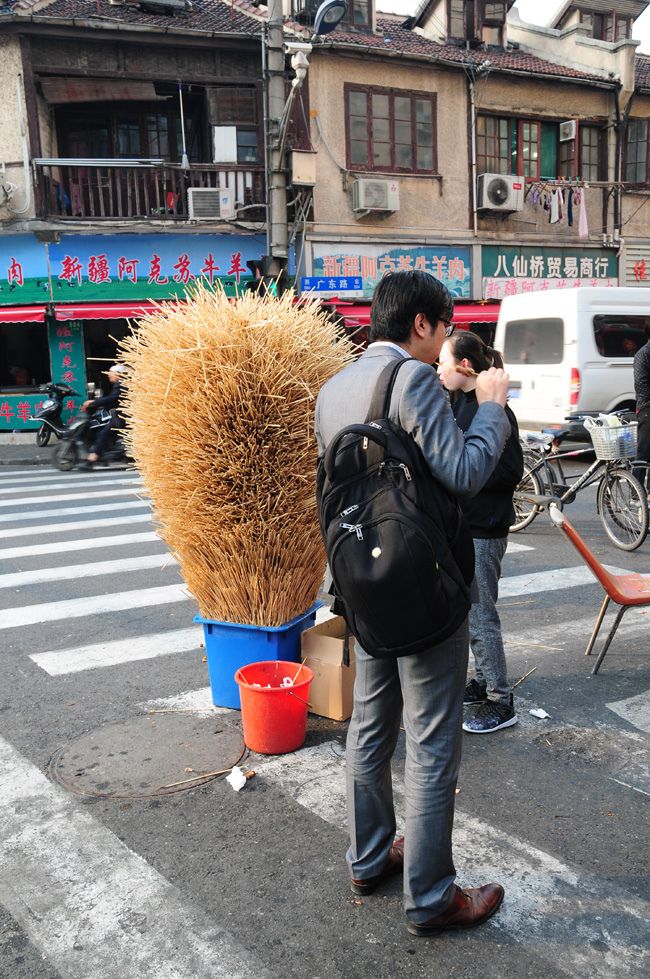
[326, 144]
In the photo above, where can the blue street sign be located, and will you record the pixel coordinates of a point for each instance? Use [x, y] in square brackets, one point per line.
[349, 283]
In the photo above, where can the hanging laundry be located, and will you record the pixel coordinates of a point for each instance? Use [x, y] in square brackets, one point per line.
[560, 201]
[534, 197]
[570, 208]
[583, 226]
[555, 207]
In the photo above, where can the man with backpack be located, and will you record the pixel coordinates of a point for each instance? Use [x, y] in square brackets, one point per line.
[410, 317]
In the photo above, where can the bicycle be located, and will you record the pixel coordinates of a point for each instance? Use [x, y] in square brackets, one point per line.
[620, 500]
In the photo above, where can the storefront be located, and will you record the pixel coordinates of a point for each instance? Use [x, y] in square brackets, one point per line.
[65, 307]
[511, 271]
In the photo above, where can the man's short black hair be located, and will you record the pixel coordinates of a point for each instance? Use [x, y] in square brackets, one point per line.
[399, 297]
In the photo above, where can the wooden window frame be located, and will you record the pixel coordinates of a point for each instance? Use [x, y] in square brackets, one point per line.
[463, 34]
[351, 19]
[391, 93]
[644, 179]
[584, 131]
[498, 158]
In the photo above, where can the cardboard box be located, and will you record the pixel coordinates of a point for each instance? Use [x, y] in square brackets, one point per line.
[331, 690]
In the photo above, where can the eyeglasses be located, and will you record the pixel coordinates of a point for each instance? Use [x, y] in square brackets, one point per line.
[449, 329]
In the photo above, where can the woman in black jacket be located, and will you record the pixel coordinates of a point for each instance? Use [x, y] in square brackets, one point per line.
[489, 514]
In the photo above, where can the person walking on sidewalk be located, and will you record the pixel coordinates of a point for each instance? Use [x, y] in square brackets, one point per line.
[490, 514]
[410, 316]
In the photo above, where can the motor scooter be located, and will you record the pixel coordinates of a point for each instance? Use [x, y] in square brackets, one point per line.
[80, 434]
[49, 413]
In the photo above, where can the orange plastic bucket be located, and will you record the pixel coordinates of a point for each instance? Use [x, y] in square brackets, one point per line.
[274, 715]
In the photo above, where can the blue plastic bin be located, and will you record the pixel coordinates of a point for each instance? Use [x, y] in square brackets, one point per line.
[229, 646]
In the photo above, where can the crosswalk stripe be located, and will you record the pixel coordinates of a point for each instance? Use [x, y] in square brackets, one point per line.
[588, 931]
[544, 581]
[61, 528]
[72, 510]
[63, 661]
[92, 906]
[516, 548]
[76, 608]
[93, 569]
[574, 636]
[79, 481]
[85, 544]
[69, 496]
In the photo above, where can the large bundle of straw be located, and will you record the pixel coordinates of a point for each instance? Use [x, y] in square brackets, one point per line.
[220, 409]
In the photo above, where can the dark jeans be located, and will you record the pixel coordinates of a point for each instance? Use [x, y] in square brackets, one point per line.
[102, 437]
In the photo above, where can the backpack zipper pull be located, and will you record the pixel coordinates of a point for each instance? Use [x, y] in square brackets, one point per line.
[406, 471]
[350, 509]
[380, 470]
[350, 527]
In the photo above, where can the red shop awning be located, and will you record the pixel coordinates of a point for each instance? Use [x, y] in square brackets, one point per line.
[103, 311]
[358, 315]
[478, 313]
[22, 314]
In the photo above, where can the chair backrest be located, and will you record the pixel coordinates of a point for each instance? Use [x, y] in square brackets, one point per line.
[607, 580]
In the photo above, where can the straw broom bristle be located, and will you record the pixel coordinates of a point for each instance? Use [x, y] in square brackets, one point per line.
[220, 407]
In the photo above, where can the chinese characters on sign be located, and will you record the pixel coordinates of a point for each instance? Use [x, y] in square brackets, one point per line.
[333, 284]
[121, 267]
[372, 262]
[511, 272]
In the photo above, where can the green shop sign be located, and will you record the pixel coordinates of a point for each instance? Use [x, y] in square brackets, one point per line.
[513, 271]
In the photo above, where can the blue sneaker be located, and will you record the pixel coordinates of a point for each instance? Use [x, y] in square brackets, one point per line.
[491, 716]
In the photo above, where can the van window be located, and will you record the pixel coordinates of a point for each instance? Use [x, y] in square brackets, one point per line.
[618, 335]
[534, 341]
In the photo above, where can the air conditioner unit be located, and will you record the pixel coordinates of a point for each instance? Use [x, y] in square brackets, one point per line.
[567, 130]
[375, 195]
[210, 203]
[497, 192]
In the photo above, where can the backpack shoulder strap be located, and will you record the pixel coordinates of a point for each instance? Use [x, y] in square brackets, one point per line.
[380, 403]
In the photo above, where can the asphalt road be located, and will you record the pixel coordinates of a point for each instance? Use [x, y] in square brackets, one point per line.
[214, 883]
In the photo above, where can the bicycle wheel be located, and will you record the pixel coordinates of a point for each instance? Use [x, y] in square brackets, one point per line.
[623, 509]
[525, 511]
[65, 455]
[43, 435]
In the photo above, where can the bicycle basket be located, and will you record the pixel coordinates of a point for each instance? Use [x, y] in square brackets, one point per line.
[613, 443]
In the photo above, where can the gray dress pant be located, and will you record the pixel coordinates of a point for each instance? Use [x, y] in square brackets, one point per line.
[427, 690]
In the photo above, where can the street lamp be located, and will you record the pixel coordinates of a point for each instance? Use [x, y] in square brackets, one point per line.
[328, 15]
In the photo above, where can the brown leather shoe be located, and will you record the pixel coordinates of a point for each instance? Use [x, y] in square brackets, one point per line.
[470, 907]
[394, 864]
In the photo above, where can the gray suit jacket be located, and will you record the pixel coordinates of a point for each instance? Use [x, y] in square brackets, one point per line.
[462, 463]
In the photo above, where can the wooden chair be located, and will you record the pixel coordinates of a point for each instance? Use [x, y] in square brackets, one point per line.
[624, 589]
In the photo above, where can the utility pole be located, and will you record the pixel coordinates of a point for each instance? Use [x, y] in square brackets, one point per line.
[278, 232]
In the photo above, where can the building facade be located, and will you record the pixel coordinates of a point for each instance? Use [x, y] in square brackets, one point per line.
[499, 156]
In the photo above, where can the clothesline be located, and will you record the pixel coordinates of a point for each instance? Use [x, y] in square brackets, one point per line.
[568, 183]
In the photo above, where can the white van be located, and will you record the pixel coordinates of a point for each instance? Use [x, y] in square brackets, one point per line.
[570, 352]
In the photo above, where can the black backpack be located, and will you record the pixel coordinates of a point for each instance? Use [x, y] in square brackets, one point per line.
[398, 547]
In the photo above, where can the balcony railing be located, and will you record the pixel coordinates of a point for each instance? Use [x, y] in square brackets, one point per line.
[113, 190]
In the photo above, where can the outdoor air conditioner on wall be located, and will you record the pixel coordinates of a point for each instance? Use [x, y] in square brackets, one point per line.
[375, 195]
[567, 130]
[210, 203]
[497, 192]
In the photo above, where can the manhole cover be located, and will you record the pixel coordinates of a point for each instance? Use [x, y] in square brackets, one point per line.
[147, 757]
